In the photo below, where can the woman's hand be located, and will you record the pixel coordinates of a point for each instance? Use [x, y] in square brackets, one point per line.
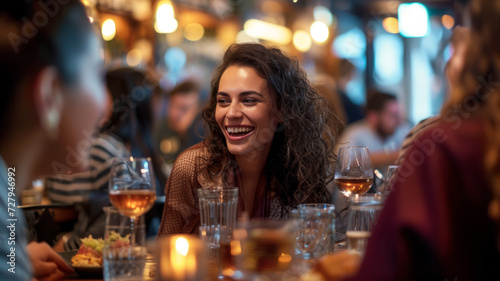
[47, 264]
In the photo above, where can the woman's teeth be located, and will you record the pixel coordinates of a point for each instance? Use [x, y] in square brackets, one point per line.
[239, 130]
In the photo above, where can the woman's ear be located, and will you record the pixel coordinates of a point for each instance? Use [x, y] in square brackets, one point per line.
[48, 99]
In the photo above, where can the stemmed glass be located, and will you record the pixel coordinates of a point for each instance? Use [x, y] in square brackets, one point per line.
[132, 189]
[353, 170]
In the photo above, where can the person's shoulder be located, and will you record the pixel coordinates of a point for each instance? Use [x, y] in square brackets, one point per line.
[460, 127]
[192, 157]
[199, 149]
[464, 136]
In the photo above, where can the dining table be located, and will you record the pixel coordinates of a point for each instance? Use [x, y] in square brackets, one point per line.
[150, 269]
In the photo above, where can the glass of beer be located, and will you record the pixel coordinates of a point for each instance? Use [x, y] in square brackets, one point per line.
[361, 217]
[353, 170]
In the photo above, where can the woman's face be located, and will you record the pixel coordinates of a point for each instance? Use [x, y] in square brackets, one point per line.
[244, 111]
[84, 104]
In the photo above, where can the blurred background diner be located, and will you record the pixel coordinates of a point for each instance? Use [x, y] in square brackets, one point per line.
[383, 66]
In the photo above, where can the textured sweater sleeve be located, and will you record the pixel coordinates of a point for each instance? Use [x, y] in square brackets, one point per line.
[181, 213]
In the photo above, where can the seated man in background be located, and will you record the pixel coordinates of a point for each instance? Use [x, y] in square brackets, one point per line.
[181, 127]
[381, 130]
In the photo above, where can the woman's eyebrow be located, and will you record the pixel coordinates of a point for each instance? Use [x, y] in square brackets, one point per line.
[242, 94]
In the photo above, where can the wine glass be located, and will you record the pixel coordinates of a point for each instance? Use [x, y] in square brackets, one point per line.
[132, 189]
[353, 170]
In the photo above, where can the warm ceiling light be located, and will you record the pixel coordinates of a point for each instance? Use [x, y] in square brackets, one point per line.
[108, 30]
[319, 32]
[165, 20]
[194, 31]
[448, 21]
[390, 25]
[167, 25]
[268, 31]
[302, 41]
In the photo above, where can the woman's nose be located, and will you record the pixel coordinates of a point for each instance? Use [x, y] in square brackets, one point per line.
[234, 111]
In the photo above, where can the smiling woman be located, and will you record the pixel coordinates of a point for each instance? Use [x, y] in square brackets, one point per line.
[268, 133]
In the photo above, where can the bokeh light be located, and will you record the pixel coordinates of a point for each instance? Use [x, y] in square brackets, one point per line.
[390, 25]
[322, 14]
[302, 41]
[194, 31]
[319, 31]
[448, 21]
[108, 30]
[134, 57]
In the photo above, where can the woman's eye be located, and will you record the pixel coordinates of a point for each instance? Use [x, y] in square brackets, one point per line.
[222, 102]
[249, 100]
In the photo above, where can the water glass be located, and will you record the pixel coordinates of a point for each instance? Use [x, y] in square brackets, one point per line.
[218, 208]
[327, 245]
[362, 214]
[313, 229]
[123, 258]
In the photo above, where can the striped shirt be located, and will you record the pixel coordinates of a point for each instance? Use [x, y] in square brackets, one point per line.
[76, 187]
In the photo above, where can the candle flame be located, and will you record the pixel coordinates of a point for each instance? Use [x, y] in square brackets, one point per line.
[182, 246]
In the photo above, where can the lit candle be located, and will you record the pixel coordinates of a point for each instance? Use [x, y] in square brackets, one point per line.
[180, 257]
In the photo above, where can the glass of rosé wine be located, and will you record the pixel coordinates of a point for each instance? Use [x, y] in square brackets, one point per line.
[353, 170]
[132, 189]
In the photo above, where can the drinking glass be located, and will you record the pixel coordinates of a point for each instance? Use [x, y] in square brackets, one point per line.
[267, 248]
[132, 187]
[313, 229]
[327, 244]
[362, 214]
[124, 254]
[218, 208]
[353, 170]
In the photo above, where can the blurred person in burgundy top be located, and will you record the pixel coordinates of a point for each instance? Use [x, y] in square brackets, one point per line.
[440, 222]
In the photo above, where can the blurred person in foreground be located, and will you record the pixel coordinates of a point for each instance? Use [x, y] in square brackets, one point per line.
[126, 132]
[268, 133]
[181, 127]
[52, 91]
[441, 220]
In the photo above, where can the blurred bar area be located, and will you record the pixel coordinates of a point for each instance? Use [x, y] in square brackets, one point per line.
[395, 46]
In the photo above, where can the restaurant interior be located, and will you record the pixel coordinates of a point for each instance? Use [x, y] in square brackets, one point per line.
[359, 56]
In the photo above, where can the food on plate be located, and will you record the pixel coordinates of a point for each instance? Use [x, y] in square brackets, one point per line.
[90, 251]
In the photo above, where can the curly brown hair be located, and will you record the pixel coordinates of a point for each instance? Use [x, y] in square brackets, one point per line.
[302, 146]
